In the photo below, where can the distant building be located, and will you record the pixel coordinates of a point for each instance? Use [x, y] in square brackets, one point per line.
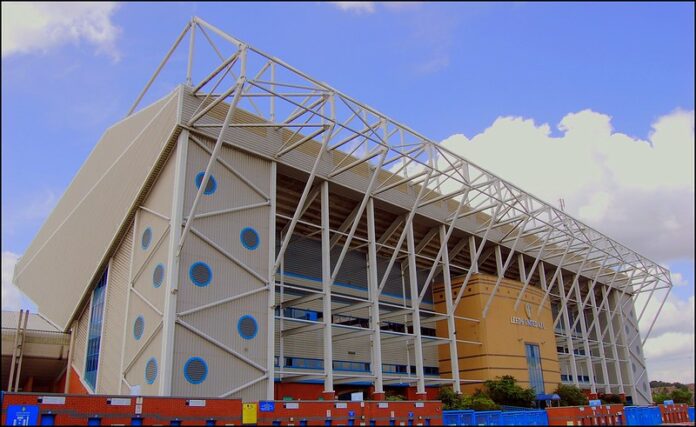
[316, 248]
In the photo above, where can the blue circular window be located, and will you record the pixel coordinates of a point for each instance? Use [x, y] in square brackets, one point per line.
[138, 327]
[195, 370]
[200, 274]
[250, 238]
[146, 238]
[210, 187]
[158, 276]
[151, 370]
[247, 327]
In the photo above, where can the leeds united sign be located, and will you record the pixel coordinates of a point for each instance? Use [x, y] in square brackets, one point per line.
[528, 321]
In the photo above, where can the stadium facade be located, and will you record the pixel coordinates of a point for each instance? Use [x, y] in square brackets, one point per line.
[259, 234]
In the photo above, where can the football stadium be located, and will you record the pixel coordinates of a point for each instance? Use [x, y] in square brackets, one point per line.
[257, 234]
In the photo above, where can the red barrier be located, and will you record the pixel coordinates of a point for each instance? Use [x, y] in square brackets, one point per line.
[418, 412]
[677, 413]
[604, 415]
[69, 409]
[321, 412]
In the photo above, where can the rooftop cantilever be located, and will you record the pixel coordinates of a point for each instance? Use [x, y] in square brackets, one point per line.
[317, 122]
[311, 109]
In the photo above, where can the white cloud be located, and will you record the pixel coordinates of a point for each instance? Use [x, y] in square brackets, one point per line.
[37, 27]
[355, 6]
[11, 296]
[678, 279]
[669, 351]
[639, 192]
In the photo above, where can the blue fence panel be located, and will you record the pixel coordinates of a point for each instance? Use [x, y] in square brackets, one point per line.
[458, 418]
[524, 418]
[643, 415]
[652, 417]
[494, 418]
[691, 414]
[538, 418]
[488, 418]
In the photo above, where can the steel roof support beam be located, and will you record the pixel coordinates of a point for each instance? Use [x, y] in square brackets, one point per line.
[451, 329]
[413, 283]
[600, 346]
[373, 293]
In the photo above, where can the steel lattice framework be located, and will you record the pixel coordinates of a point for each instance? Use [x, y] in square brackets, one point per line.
[282, 97]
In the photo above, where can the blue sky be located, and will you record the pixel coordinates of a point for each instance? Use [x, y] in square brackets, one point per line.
[476, 75]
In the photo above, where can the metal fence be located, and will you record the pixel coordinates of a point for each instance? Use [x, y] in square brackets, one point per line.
[495, 418]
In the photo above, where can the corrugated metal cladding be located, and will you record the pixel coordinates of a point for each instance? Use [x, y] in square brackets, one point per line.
[143, 349]
[80, 349]
[114, 313]
[115, 171]
[224, 256]
[303, 259]
[634, 350]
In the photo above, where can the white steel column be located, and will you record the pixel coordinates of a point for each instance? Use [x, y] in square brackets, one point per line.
[600, 342]
[173, 258]
[326, 287]
[413, 282]
[618, 304]
[373, 284]
[451, 331]
[583, 329]
[612, 340]
[192, 42]
[472, 254]
[270, 343]
[569, 334]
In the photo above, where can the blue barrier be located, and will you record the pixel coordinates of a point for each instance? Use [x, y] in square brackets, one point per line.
[458, 418]
[525, 418]
[493, 418]
[642, 415]
[691, 414]
[488, 418]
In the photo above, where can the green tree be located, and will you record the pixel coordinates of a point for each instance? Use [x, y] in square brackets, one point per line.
[449, 398]
[505, 391]
[681, 395]
[570, 395]
[478, 401]
[660, 396]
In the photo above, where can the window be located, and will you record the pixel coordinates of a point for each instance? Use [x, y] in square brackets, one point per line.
[536, 377]
[210, 187]
[94, 334]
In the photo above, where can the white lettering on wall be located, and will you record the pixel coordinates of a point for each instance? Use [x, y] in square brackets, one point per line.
[526, 322]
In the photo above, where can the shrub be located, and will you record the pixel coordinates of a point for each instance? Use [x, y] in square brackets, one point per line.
[394, 398]
[478, 401]
[449, 398]
[505, 391]
[681, 395]
[660, 396]
[570, 395]
[611, 398]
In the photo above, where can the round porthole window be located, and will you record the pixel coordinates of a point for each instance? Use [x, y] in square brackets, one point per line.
[195, 370]
[151, 370]
[158, 276]
[138, 327]
[146, 238]
[250, 238]
[210, 187]
[247, 327]
[200, 274]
